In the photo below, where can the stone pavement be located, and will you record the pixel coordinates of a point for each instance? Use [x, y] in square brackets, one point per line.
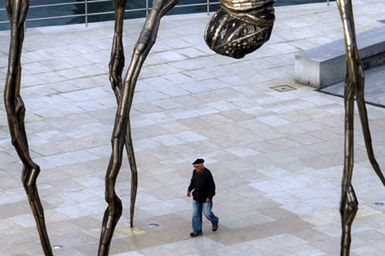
[276, 156]
[374, 86]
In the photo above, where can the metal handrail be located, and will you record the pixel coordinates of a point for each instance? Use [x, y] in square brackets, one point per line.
[87, 14]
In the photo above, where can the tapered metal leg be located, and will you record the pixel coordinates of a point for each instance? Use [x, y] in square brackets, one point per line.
[348, 210]
[116, 70]
[354, 88]
[17, 11]
[117, 58]
[348, 203]
[142, 48]
[360, 97]
[134, 172]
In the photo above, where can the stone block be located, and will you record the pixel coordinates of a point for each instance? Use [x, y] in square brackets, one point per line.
[325, 65]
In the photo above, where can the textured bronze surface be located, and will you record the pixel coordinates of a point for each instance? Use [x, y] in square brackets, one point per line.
[354, 90]
[245, 5]
[17, 12]
[240, 27]
[142, 48]
[116, 69]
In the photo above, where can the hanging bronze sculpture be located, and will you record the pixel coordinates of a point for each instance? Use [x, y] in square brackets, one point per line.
[238, 28]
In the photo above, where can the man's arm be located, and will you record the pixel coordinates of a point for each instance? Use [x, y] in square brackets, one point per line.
[211, 189]
[191, 186]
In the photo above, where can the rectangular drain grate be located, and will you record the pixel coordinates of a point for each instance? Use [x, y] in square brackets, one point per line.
[283, 88]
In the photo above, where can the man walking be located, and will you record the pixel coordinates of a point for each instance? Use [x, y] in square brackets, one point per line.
[202, 189]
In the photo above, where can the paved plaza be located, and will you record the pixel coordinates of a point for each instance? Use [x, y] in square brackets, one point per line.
[374, 87]
[276, 156]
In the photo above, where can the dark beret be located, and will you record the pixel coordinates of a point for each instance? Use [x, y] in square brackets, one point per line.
[199, 161]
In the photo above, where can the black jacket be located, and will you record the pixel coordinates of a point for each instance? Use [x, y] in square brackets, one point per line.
[203, 185]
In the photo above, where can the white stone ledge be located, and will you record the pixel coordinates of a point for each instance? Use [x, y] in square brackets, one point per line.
[325, 65]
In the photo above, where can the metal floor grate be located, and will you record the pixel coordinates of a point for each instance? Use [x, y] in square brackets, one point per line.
[283, 88]
[153, 225]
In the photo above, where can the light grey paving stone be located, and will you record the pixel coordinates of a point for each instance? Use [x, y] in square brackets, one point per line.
[129, 254]
[373, 91]
[273, 120]
[174, 91]
[190, 136]
[25, 220]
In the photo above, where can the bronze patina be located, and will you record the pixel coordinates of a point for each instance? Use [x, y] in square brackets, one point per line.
[116, 69]
[125, 94]
[14, 105]
[354, 90]
[238, 28]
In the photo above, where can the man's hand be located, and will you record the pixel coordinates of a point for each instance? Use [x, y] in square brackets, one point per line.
[208, 200]
[189, 193]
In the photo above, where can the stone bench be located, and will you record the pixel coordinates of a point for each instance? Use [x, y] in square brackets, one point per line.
[325, 65]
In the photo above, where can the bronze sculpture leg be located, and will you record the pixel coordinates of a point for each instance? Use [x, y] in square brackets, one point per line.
[354, 89]
[17, 12]
[122, 122]
[360, 98]
[116, 69]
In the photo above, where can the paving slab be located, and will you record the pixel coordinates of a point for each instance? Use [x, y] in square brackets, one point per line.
[374, 86]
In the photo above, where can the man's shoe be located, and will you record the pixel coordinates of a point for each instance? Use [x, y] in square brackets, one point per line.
[195, 234]
[215, 227]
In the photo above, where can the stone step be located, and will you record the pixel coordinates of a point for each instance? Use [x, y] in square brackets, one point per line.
[325, 65]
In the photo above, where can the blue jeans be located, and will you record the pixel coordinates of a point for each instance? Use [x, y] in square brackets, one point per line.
[198, 208]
